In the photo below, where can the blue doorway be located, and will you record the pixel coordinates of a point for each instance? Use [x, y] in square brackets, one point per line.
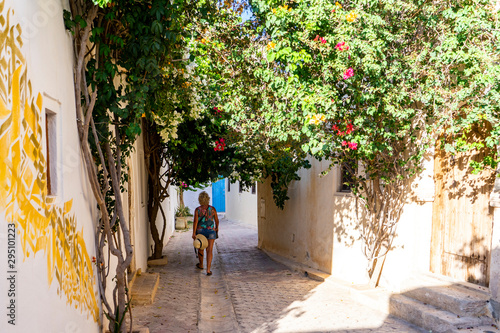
[219, 196]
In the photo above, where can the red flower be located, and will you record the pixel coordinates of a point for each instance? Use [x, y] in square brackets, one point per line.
[321, 39]
[349, 129]
[342, 46]
[219, 145]
[344, 143]
[353, 145]
[348, 73]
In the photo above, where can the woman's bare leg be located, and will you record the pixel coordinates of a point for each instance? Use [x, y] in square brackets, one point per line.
[210, 254]
[200, 257]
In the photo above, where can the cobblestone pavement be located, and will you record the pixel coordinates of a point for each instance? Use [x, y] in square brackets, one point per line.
[177, 301]
[249, 292]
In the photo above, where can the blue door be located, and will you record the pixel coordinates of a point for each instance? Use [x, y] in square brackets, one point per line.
[219, 196]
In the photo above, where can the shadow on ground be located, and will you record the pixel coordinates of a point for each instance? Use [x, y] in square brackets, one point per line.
[268, 297]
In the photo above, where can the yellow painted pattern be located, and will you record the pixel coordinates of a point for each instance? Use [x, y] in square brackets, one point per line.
[43, 226]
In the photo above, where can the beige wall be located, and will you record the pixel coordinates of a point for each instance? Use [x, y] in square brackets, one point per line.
[303, 231]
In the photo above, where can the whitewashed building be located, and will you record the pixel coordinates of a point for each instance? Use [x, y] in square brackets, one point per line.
[48, 213]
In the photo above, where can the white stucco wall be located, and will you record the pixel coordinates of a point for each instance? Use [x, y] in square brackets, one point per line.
[136, 197]
[348, 260]
[319, 227]
[411, 251]
[169, 206]
[40, 305]
[241, 206]
[303, 231]
[191, 198]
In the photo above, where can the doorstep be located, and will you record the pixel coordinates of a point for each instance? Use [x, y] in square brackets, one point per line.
[144, 288]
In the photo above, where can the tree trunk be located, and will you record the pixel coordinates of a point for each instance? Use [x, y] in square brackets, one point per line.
[157, 191]
[181, 197]
[158, 246]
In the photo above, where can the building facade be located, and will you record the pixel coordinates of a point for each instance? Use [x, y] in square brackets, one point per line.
[48, 214]
[448, 227]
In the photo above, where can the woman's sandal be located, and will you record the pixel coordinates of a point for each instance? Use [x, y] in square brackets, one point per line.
[198, 266]
[209, 273]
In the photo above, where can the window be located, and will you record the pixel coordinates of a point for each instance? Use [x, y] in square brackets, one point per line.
[51, 151]
[346, 176]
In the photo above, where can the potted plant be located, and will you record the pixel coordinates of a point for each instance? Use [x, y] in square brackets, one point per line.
[182, 213]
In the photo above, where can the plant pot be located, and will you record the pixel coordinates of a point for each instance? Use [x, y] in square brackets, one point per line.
[181, 222]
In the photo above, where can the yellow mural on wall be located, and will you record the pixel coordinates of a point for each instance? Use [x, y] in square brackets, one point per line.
[44, 227]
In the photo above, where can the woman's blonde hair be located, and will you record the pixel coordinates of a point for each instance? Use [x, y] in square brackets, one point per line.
[204, 198]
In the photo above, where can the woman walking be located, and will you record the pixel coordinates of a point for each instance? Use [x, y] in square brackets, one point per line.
[206, 223]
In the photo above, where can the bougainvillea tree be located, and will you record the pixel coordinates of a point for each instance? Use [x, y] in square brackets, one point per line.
[368, 85]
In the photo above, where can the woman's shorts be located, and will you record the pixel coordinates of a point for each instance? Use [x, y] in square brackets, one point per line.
[208, 233]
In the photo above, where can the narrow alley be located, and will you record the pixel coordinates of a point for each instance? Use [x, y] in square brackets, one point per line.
[249, 292]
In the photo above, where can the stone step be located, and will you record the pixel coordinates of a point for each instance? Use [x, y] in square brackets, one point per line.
[455, 299]
[458, 297]
[131, 277]
[481, 329]
[431, 318]
[144, 288]
[434, 280]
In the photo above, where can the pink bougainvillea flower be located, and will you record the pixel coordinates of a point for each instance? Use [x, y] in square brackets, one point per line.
[348, 73]
[342, 47]
[317, 38]
[323, 41]
[353, 145]
[344, 143]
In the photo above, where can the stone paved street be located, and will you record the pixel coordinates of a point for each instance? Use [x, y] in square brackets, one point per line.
[249, 292]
